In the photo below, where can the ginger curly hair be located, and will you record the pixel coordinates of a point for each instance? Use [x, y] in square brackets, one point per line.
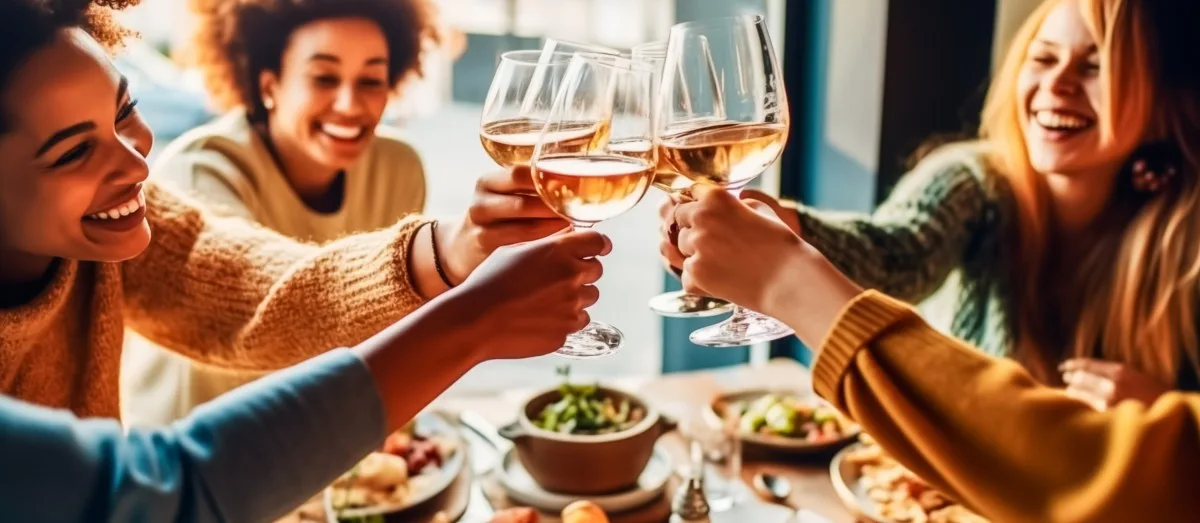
[27, 25]
[236, 40]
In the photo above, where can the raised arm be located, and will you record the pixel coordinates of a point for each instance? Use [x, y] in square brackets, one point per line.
[916, 238]
[986, 433]
[251, 455]
[229, 293]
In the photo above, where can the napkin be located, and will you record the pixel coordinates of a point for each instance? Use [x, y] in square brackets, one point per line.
[759, 512]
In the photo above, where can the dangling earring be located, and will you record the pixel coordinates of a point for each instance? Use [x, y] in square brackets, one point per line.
[1153, 166]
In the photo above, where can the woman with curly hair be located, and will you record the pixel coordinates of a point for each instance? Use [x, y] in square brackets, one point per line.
[305, 84]
[78, 265]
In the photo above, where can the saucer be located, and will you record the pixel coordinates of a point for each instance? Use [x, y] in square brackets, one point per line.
[521, 487]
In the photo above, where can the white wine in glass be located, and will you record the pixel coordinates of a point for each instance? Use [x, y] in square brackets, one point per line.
[518, 103]
[602, 181]
[677, 304]
[730, 64]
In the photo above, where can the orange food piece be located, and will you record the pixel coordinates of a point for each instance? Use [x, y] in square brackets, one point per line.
[584, 511]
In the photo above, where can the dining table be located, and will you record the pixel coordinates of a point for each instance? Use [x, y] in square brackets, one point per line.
[676, 395]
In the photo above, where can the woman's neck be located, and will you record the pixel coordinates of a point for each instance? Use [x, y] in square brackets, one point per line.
[319, 187]
[22, 276]
[1080, 202]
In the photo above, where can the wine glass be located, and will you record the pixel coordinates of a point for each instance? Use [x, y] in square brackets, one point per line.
[727, 68]
[518, 102]
[587, 183]
[676, 304]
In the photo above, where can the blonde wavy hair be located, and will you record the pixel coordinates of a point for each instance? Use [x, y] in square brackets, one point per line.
[1141, 285]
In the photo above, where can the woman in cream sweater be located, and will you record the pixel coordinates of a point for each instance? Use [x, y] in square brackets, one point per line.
[300, 150]
[80, 263]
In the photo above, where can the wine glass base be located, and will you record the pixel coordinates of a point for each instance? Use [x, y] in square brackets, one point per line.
[680, 304]
[748, 329]
[594, 341]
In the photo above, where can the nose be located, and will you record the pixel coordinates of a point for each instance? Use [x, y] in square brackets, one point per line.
[346, 101]
[128, 165]
[1062, 81]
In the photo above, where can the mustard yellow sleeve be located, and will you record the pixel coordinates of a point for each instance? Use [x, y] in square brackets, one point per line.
[984, 432]
[229, 293]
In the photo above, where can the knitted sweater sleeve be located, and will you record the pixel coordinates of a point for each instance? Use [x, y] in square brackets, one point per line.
[915, 239]
[223, 291]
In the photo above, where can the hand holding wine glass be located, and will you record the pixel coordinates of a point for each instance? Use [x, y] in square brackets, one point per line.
[726, 65]
[612, 173]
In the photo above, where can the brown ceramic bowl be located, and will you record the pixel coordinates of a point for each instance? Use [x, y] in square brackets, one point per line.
[581, 464]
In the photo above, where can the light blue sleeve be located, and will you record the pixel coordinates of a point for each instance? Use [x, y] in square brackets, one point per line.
[250, 455]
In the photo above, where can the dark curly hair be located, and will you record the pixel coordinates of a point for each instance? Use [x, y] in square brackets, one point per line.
[27, 25]
[236, 40]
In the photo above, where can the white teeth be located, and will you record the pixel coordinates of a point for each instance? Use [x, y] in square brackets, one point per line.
[344, 132]
[125, 209]
[1055, 120]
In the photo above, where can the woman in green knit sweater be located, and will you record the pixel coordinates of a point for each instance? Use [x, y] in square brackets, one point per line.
[1069, 221]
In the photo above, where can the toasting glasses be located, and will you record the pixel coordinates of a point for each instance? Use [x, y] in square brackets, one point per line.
[679, 304]
[589, 181]
[722, 120]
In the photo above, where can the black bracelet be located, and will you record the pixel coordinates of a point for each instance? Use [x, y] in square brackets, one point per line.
[437, 258]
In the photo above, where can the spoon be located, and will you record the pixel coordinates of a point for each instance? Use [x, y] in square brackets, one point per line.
[775, 488]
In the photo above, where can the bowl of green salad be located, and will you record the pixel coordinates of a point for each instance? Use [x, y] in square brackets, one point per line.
[585, 438]
[784, 421]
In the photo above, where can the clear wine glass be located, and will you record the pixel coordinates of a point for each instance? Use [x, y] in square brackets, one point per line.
[676, 304]
[608, 175]
[518, 103]
[724, 67]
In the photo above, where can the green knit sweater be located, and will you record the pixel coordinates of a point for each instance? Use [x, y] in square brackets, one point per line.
[951, 213]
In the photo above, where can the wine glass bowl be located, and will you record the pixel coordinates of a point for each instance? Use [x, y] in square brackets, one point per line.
[517, 104]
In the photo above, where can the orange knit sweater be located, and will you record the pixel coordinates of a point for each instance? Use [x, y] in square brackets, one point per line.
[217, 290]
[983, 431]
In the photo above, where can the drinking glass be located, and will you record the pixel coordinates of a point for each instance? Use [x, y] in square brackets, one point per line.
[723, 74]
[675, 304]
[518, 103]
[607, 99]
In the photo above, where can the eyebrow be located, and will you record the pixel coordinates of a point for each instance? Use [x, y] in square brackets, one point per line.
[324, 57]
[81, 127]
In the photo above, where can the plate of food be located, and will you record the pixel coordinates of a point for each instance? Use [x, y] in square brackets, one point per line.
[779, 421]
[877, 488]
[415, 464]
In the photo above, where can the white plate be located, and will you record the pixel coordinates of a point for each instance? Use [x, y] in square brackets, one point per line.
[845, 476]
[433, 482]
[522, 489]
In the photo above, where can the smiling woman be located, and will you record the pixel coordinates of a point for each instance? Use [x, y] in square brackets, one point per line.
[305, 84]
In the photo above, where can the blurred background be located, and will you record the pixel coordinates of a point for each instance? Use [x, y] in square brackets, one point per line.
[868, 80]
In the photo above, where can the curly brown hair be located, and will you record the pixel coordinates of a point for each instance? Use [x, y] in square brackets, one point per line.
[27, 25]
[236, 40]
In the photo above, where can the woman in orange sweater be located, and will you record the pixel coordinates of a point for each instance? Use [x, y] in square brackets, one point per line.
[78, 263]
[979, 428]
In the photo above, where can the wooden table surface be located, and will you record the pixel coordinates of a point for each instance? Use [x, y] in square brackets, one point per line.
[681, 395]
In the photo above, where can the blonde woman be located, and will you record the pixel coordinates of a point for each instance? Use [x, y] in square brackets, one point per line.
[1070, 220]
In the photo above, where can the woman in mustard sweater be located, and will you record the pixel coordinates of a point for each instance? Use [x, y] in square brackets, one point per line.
[976, 427]
[79, 263]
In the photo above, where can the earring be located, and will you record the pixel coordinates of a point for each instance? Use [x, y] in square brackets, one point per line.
[1153, 167]
[269, 103]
